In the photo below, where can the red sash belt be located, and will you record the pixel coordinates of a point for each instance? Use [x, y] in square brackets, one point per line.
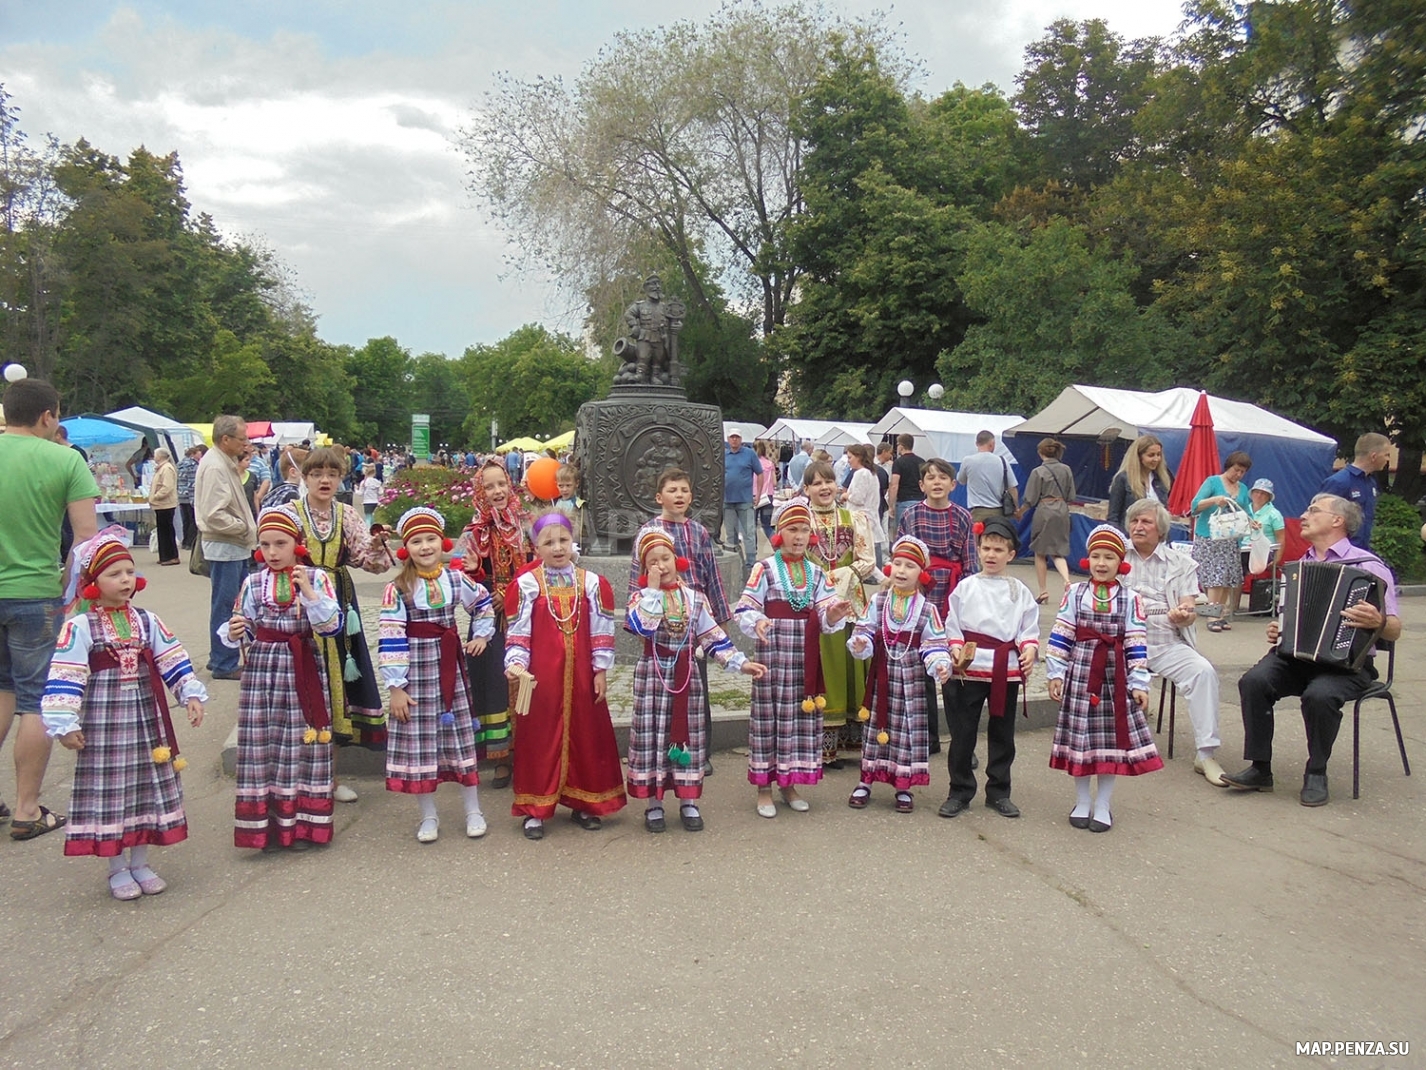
[682, 661]
[1000, 668]
[310, 693]
[811, 642]
[451, 661]
[1103, 644]
[940, 564]
[101, 660]
[877, 697]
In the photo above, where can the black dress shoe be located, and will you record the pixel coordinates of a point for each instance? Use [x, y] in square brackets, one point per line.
[1079, 822]
[534, 830]
[953, 807]
[588, 822]
[691, 822]
[1101, 826]
[1314, 790]
[1250, 779]
[652, 823]
[1003, 807]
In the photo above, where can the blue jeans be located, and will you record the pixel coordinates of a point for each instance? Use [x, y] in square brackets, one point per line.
[738, 522]
[901, 508]
[226, 578]
[28, 630]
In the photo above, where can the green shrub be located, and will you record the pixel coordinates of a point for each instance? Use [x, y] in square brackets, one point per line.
[1396, 534]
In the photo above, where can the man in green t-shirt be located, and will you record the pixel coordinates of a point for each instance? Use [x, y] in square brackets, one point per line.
[40, 482]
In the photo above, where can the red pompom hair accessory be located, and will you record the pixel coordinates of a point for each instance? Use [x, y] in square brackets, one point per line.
[90, 592]
[682, 564]
[140, 584]
[447, 545]
[403, 554]
[1084, 564]
[258, 557]
[926, 579]
[776, 541]
[978, 528]
[1124, 568]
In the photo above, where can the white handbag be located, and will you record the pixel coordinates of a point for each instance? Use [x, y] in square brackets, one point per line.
[1260, 552]
[1229, 522]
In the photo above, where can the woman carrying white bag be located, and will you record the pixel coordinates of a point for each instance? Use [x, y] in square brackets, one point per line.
[1221, 507]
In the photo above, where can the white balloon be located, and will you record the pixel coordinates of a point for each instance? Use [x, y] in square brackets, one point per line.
[15, 372]
[936, 391]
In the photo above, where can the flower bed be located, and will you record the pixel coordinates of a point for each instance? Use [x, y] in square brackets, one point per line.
[449, 491]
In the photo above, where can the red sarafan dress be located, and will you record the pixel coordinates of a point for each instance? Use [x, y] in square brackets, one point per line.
[561, 629]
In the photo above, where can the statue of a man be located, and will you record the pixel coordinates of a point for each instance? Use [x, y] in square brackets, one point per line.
[650, 351]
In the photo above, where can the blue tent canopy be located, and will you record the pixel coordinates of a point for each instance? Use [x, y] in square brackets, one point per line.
[1098, 424]
[87, 431]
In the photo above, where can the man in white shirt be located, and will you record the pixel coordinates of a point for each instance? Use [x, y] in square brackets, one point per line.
[1167, 581]
[986, 476]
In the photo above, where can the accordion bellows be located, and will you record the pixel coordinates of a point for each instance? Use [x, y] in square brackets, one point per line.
[1315, 594]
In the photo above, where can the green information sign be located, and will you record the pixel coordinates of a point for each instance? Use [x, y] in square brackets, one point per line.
[421, 436]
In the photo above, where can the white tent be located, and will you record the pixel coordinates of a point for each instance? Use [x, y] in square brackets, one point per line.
[751, 431]
[944, 434]
[292, 432]
[817, 431]
[845, 433]
[180, 436]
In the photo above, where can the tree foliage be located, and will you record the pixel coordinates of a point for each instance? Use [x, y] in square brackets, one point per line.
[532, 381]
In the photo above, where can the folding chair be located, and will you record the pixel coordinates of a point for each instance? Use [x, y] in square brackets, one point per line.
[1379, 689]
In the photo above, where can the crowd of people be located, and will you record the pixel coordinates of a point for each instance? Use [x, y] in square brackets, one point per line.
[839, 644]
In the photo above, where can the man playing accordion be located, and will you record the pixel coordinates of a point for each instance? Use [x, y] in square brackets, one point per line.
[1328, 525]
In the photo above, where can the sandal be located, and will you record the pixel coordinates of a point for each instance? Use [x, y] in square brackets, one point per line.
[28, 830]
[860, 796]
[904, 802]
[1219, 626]
[1042, 598]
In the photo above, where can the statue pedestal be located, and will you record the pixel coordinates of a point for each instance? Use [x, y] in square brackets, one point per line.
[625, 441]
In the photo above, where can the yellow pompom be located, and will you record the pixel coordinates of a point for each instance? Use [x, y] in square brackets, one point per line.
[808, 706]
[162, 754]
[863, 714]
[324, 736]
[309, 736]
[821, 702]
[883, 738]
[180, 764]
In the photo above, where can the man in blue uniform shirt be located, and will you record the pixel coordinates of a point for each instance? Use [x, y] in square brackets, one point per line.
[1357, 482]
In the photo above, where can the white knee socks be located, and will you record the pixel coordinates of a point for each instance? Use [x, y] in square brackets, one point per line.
[471, 796]
[1082, 797]
[1101, 801]
[427, 803]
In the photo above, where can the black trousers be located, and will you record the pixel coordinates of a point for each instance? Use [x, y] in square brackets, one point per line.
[933, 718]
[1323, 691]
[964, 701]
[167, 543]
[190, 524]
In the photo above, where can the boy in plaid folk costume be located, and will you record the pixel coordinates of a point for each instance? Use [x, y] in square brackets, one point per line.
[901, 635]
[284, 761]
[692, 542]
[431, 737]
[667, 746]
[105, 699]
[1098, 667]
[786, 606]
[1000, 616]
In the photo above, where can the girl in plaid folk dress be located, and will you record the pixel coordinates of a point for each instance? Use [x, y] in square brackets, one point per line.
[105, 699]
[666, 746]
[786, 606]
[1098, 668]
[431, 738]
[901, 635]
[284, 761]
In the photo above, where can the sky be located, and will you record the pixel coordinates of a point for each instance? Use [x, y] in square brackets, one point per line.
[326, 130]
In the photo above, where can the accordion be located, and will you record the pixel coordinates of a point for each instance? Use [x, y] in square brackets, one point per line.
[1312, 628]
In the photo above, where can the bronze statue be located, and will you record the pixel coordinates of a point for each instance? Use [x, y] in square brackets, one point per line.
[650, 350]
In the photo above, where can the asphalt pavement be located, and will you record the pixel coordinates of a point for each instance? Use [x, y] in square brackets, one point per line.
[1207, 928]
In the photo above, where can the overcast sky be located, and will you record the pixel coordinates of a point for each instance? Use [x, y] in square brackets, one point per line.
[326, 127]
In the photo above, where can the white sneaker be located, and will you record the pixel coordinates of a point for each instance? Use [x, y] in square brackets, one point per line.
[428, 830]
[344, 794]
[475, 825]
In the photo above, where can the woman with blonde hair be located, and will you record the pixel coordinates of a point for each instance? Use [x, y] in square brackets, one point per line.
[1142, 474]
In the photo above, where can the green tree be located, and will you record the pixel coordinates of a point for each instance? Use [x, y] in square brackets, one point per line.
[532, 381]
[1054, 312]
[380, 376]
[438, 389]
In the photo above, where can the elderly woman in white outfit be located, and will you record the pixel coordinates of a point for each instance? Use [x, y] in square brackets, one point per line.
[1166, 580]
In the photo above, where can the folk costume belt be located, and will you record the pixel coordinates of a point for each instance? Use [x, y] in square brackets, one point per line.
[451, 660]
[309, 680]
[877, 697]
[811, 644]
[955, 568]
[103, 660]
[1103, 646]
[1000, 668]
[682, 663]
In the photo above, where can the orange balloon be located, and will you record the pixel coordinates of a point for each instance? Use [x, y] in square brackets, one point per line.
[541, 479]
